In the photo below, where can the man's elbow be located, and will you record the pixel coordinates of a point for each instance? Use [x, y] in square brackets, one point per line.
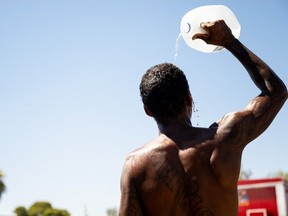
[280, 92]
[284, 93]
[281, 97]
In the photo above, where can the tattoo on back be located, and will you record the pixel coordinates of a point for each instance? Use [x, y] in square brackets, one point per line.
[185, 190]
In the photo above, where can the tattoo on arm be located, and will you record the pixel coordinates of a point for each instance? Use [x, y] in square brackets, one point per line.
[133, 207]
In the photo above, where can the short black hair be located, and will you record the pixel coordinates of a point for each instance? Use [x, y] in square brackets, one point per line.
[164, 90]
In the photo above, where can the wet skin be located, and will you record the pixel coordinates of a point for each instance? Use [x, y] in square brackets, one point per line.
[190, 171]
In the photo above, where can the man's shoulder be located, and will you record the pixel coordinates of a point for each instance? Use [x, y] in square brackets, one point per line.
[139, 159]
[140, 154]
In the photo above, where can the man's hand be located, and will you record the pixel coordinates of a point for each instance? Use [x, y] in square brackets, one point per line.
[217, 33]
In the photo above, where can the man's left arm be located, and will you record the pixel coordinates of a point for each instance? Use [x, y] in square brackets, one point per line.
[130, 203]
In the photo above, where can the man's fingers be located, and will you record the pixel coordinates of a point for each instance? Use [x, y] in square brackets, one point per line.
[204, 24]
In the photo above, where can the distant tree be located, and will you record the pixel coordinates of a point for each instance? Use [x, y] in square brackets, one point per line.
[2, 185]
[41, 209]
[55, 212]
[245, 174]
[280, 174]
[112, 212]
[21, 211]
[38, 208]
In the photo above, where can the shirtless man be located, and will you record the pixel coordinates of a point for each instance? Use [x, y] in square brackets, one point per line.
[190, 171]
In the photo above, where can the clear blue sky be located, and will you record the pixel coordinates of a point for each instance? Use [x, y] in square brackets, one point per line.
[70, 109]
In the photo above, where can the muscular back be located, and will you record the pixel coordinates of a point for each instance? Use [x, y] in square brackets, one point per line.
[183, 178]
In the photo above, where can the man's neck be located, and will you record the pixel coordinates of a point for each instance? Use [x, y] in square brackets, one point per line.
[175, 128]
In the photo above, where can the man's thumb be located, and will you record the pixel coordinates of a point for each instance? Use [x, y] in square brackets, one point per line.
[200, 36]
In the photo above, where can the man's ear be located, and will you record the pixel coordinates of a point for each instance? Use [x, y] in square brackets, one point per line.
[189, 100]
[148, 112]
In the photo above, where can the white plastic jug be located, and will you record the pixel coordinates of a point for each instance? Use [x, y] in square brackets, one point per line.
[190, 25]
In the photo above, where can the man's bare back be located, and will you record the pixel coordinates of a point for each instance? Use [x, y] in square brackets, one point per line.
[182, 178]
[189, 171]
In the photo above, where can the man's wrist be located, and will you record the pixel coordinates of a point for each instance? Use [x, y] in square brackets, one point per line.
[232, 44]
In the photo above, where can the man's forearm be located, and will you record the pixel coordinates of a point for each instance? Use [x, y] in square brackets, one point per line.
[262, 75]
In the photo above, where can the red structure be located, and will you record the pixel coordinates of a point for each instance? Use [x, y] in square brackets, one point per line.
[263, 197]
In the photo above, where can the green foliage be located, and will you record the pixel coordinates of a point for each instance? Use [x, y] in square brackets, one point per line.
[38, 208]
[55, 212]
[2, 185]
[112, 212]
[21, 211]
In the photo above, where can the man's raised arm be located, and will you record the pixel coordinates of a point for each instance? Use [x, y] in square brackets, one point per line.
[260, 112]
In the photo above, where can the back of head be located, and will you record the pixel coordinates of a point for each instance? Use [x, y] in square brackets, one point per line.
[164, 90]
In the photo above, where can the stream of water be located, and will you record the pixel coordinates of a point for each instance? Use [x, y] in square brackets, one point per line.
[177, 47]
